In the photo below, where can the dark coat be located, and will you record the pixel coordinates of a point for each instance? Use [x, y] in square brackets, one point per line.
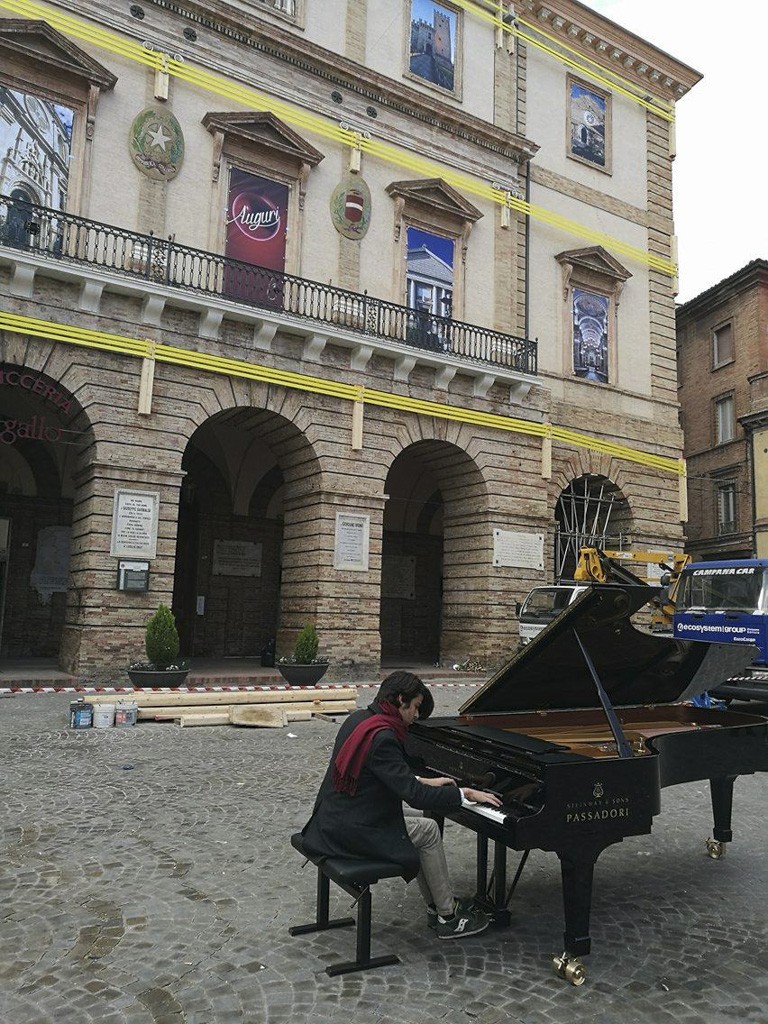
[371, 823]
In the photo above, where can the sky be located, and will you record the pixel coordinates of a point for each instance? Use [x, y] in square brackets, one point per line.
[719, 174]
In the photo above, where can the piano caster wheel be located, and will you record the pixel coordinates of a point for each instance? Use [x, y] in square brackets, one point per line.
[568, 967]
[715, 849]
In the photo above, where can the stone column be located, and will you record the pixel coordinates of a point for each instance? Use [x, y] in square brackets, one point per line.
[104, 629]
[343, 603]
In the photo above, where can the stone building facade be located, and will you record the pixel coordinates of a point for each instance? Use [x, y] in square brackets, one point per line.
[722, 338]
[216, 382]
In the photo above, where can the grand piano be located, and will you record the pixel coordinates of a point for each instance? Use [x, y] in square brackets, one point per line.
[577, 734]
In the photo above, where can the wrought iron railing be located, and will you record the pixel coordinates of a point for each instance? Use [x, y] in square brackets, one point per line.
[61, 236]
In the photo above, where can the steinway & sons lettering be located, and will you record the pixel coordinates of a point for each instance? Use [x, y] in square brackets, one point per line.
[597, 810]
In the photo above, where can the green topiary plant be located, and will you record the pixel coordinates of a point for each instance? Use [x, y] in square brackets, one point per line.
[162, 638]
[305, 651]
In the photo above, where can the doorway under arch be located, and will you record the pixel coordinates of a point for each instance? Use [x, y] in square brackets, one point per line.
[43, 434]
[433, 540]
[240, 467]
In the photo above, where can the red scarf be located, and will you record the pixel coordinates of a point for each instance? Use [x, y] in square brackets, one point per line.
[351, 757]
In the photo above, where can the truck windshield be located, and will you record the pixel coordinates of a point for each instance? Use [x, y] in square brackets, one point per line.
[721, 590]
[545, 603]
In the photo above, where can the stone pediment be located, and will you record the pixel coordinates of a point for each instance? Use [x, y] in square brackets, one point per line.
[435, 194]
[264, 130]
[37, 41]
[597, 259]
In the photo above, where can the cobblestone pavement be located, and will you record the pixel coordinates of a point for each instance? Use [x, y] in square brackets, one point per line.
[146, 878]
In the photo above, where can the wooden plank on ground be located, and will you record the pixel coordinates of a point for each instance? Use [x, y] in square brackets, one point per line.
[194, 719]
[311, 707]
[146, 700]
[265, 718]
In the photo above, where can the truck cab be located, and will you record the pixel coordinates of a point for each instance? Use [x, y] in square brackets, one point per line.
[727, 602]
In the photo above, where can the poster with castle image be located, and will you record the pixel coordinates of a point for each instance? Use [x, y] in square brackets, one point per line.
[433, 41]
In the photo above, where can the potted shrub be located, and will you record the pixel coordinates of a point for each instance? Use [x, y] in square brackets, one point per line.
[161, 643]
[303, 667]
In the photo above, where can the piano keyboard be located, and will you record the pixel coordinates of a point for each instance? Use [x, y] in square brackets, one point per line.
[487, 812]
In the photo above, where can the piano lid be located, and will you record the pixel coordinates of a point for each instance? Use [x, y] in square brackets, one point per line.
[635, 667]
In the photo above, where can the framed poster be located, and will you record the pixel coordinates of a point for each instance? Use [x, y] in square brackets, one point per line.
[257, 221]
[432, 47]
[590, 335]
[589, 124]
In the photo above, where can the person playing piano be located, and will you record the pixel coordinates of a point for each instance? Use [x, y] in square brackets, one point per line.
[359, 807]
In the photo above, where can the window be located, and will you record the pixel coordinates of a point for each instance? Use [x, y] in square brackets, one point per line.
[432, 225]
[588, 128]
[433, 42]
[592, 284]
[722, 345]
[724, 420]
[726, 508]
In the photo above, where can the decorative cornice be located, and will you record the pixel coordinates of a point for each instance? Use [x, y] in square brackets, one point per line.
[19, 35]
[284, 46]
[438, 195]
[632, 57]
[265, 129]
[596, 259]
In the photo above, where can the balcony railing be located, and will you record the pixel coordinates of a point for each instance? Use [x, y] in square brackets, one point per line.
[59, 236]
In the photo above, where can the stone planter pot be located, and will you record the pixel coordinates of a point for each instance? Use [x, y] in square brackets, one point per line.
[151, 678]
[303, 675]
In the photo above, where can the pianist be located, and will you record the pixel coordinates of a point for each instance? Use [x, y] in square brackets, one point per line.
[359, 808]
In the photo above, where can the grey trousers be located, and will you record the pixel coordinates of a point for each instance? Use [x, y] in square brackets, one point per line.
[433, 879]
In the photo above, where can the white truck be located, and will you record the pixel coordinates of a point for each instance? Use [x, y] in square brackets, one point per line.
[543, 604]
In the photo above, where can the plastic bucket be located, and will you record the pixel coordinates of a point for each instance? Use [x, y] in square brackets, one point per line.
[80, 715]
[103, 716]
[126, 713]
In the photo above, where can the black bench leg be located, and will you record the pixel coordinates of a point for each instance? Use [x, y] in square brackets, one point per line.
[322, 923]
[364, 959]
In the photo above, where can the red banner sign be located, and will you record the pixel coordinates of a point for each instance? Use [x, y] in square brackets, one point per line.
[257, 219]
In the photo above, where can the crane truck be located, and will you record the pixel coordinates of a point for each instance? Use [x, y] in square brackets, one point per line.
[661, 572]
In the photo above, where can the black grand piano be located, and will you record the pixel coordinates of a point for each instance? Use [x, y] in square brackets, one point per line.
[577, 734]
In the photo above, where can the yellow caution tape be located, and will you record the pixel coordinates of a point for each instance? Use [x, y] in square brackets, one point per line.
[144, 348]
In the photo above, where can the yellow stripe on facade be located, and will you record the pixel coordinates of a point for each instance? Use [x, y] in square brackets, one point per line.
[144, 349]
[220, 86]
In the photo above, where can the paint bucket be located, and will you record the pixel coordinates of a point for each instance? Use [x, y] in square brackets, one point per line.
[80, 714]
[103, 716]
[126, 713]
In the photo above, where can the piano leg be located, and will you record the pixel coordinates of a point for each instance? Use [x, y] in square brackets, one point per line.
[577, 867]
[721, 790]
[493, 894]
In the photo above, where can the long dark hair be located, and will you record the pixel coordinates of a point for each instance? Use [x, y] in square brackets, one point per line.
[406, 686]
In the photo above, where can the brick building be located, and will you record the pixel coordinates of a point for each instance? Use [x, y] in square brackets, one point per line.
[222, 376]
[722, 338]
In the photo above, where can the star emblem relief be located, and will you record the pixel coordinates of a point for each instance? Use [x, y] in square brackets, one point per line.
[158, 137]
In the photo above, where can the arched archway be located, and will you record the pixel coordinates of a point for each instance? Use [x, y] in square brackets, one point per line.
[435, 534]
[246, 469]
[43, 435]
[591, 511]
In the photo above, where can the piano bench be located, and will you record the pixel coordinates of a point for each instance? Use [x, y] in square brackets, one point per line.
[355, 876]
